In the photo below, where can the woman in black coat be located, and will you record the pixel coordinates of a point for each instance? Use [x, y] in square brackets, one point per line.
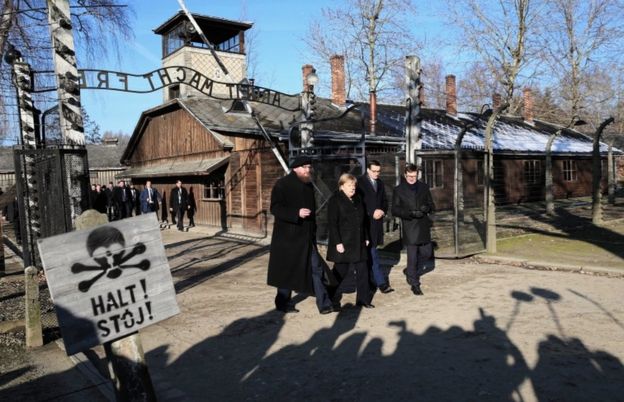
[348, 239]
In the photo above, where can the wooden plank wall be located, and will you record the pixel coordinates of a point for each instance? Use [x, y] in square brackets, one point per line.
[176, 134]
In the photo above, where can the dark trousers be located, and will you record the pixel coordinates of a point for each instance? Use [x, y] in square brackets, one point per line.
[379, 276]
[417, 258]
[180, 218]
[320, 292]
[363, 289]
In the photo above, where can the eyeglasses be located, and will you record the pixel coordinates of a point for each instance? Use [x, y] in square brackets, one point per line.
[375, 171]
[410, 176]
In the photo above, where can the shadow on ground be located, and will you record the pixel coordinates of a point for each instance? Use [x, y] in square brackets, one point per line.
[342, 362]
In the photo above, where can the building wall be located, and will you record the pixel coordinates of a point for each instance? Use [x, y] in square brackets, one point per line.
[175, 134]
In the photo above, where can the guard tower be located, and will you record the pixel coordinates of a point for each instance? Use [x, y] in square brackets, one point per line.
[182, 46]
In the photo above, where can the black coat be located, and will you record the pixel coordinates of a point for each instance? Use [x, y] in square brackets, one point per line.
[99, 201]
[404, 201]
[373, 200]
[174, 200]
[293, 237]
[118, 196]
[346, 222]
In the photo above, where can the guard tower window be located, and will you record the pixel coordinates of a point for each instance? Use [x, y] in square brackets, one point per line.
[174, 91]
[224, 35]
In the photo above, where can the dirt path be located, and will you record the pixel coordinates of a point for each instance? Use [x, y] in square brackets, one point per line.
[481, 332]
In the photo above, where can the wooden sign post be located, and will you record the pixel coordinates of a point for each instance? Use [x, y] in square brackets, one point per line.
[107, 282]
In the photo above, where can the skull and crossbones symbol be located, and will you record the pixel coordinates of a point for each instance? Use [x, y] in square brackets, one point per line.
[106, 245]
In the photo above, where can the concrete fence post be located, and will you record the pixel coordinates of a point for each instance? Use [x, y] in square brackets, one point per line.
[34, 333]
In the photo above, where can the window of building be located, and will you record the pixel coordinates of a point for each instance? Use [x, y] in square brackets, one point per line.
[174, 91]
[214, 188]
[432, 173]
[532, 172]
[569, 170]
[479, 175]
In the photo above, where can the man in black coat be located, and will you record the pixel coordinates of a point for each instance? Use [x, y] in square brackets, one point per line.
[373, 193]
[412, 202]
[178, 203]
[123, 200]
[294, 262]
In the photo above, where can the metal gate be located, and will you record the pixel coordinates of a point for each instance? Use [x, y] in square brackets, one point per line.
[59, 192]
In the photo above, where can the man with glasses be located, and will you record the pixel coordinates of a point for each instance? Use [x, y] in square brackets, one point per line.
[412, 202]
[373, 193]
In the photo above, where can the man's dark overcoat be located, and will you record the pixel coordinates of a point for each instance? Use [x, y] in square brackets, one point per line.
[346, 223]
[405, 199]
[174, 199]
[373, 200]
[293, 237]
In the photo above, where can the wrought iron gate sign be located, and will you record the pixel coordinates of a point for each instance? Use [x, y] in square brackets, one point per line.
[174, 75]
[108, 281]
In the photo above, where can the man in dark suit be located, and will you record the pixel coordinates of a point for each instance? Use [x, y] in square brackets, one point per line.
[178, 203]
[412, 202]
[123, 200]
[134, 200]
[150, 198]
[373, 193]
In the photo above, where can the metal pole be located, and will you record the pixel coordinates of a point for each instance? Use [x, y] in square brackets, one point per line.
[28, 208]
[413, 142]
[70, 114]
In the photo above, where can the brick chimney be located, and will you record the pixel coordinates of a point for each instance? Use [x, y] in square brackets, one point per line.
[451, 95]
[339, 96]
[527, 98]
[496, 100]
[305, 70]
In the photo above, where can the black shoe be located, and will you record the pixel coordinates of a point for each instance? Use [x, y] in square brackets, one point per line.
[417, 291]
[385, 288]
[327, 310]
[365, 305]
[287, 309]
[336, 307]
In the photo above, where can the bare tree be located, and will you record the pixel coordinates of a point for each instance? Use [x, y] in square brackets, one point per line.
[374, 38]
[582, 40]
[501, 35]
[100, 27]
[582, 36]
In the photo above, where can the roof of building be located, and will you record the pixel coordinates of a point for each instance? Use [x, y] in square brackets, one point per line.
[439, 129]
[202, 20]
[101, 157]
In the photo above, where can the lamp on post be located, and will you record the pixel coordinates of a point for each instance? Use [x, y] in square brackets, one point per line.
[308, 101]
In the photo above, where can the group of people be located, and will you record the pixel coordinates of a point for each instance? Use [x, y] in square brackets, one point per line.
[355, 215]
[123, 201]
[118, 202]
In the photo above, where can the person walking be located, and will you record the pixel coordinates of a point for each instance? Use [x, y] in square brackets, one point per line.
[149, 198]
[373, 192]
[192, 208]
[100, 200]
[412, 202]
[294, 261]
[110, 202]
[178, 203]
[135, 202]
[122, 199]
[348, 239]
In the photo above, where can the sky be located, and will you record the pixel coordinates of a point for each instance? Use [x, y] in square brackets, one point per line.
[280, 24]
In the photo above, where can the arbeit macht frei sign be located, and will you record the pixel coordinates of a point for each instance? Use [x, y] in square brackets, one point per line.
[108, 281]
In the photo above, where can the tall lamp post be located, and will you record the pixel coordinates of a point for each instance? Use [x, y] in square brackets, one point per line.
[308, 101]
[548, 178]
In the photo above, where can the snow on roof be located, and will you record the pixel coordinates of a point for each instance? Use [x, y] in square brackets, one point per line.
[439, 132]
